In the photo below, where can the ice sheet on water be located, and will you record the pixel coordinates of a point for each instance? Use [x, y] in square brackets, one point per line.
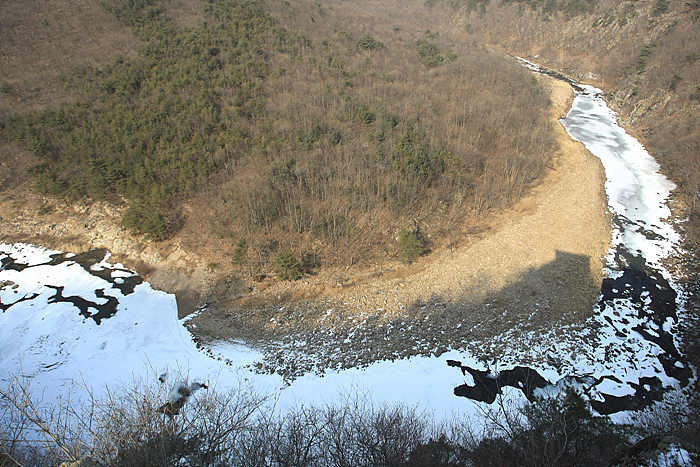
[60, 349]
[26, 254]
[637, 191]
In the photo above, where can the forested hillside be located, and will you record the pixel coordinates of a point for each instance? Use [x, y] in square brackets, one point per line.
[318, 139]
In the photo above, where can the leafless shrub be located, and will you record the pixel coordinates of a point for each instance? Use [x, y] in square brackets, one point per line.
[298, 440]
[552, 431]
[124, 427]
[678, 415]
[239, 428]
[361, 433]
[37, 433]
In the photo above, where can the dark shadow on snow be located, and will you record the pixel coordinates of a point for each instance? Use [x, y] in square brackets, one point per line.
[89, 261]
[104, 310]
[652, 303]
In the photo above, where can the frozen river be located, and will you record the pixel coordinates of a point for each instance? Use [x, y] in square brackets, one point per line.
[638, 300]
[634, 359]
[70, 322]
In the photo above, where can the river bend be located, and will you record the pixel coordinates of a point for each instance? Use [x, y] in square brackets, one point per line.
[635, 359]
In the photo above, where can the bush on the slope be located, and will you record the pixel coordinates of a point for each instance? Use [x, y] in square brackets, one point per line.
[410, 246]
[287, 266]
[553, 431]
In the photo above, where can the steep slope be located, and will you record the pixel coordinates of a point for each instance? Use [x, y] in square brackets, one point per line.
[539, 263]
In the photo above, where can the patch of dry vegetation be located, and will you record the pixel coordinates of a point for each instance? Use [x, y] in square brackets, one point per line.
[239, 427]
[358, 143]
[44, 40]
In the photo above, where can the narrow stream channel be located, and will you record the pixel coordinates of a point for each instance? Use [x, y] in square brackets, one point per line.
[637, 359]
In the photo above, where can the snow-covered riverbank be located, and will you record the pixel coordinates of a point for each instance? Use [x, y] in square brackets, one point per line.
[63, 350]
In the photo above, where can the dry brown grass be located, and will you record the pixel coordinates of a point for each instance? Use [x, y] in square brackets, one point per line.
[43, 40]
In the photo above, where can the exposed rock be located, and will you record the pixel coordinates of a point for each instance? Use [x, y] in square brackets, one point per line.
[85, 226]
[151, 256]
[639, 112]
